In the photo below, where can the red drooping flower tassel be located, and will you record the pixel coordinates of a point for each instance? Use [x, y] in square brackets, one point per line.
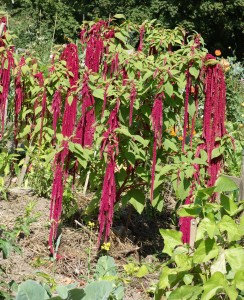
[6, 64]
[214, 116]
[70, 55]
[142, 31]
[213, 128]
[108, 197]
[19, 96]
[85, 128]
[157, 124]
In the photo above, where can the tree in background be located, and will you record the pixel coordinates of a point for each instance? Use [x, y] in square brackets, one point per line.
[43, 21]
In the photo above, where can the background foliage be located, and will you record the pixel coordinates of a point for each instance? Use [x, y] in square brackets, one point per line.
[220, 22]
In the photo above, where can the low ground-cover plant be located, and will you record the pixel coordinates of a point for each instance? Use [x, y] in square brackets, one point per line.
[105, 285]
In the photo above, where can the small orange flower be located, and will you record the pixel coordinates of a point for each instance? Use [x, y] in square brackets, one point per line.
[172, 132]
[192, 89]
[180, 138]
[217, 52]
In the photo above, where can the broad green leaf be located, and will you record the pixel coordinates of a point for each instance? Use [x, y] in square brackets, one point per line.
[137, 199]
[225, 184]
[186, 292]
[147, 75]
[169, 144]
[219, 265]
[239, 280]
[228, 204]
[206, 250]
[164, 278]
[119, 16]
[62, 291]
[188, 278]
[213, 286]
[183, 262]
[99, 290]
[172, 238]
[165, 169]
[98, 93]
[217, 152]
[169, 89]
[235, 258]
[206, 227]
[143, 271]
[120, 37]
[31, 290]
[228, 224]
[105, 267]
[194, 71]
[191, 109]
[189, 211]
[141, 140]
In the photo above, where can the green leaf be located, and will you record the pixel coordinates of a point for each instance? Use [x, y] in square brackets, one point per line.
[99, 290]
[183, 262]
[137, 199]
[228, 224]
[165, 169]
[119, 16]
[169, 144]
[228, 204]
[70, 99]
[206, 227]
[164, 278]
[225, 184]
[194, 71]
[169, 89]
[62, 291]
[189, 211]
[206, 250]
[172, 238]
[239, 280]
[217, 152]
[143, 271]
[141, 140]
[235, 258]
[219, 265]
[213, 286]
[120, 37]
[98, 93]
[31, 290]
[186, 292]
[105, 267]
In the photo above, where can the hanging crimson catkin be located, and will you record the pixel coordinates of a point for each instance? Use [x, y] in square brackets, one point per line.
[213, 128]
[142, 31]
[85, 128]
[19, 96]
[108, 197]
[157, 124]
[70, 55]
[6, 64]
[214, 116]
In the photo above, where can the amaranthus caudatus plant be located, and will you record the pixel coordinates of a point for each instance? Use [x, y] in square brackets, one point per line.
[112, 114]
